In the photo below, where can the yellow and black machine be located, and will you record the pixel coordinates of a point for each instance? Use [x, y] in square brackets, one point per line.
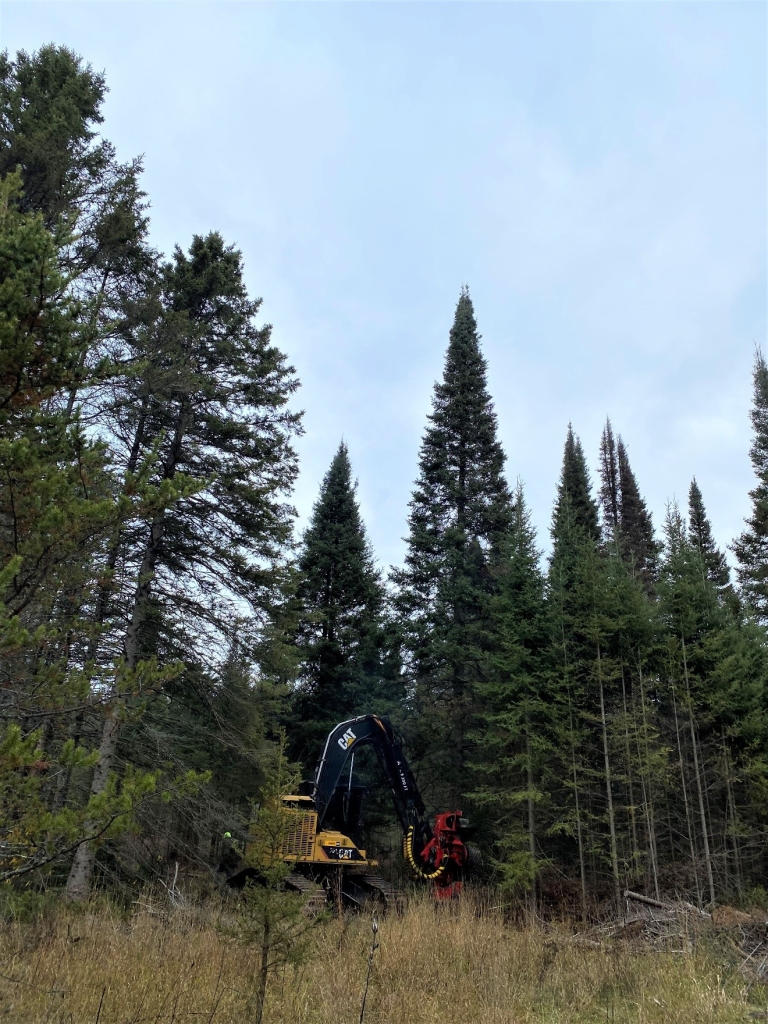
[322, 841]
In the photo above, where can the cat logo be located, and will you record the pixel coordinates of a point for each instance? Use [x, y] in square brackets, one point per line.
[346, 741]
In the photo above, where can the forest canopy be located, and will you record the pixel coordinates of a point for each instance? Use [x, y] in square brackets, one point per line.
[601, 714]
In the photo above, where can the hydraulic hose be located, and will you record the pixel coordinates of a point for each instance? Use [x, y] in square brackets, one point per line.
[408, 851]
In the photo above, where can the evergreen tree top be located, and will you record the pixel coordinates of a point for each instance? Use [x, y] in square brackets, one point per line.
[574, 492]
[336, 552]
[700, 532]
[751, 547]
[50, 102]
[759, 416]
[461, 481]
[639, 545]
[345, 668]
[609, 487]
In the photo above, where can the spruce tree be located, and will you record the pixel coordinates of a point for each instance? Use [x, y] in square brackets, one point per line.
[751, 548]
[700, 532]
[638, 544]
[610, 493]
[598, 624]
[514, 742]
[713, 683]
[342, 640]
[575, 491]
[574, 533]
[459, 514]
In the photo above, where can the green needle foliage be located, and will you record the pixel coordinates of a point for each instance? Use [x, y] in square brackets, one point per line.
[56, 507]
[514, 741]
[700, 532]
[638, 545]
[459, 517]
[751, 548]
[343, 641]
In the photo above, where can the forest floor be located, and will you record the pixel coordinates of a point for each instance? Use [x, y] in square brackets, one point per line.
[433, 965]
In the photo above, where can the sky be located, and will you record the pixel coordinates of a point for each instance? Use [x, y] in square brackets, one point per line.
[594, 172]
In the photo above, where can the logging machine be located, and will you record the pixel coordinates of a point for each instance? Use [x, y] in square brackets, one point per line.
[323, 837]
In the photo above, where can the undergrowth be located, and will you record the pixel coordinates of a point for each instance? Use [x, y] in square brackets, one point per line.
[434, 964]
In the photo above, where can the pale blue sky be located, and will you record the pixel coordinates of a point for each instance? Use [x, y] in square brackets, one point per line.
[596, 172]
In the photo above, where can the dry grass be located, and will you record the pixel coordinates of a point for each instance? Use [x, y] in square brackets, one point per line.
[433, 966]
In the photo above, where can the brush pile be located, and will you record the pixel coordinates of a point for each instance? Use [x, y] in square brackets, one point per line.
[676, 926]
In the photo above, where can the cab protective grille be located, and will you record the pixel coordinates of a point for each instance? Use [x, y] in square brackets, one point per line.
[300, 837]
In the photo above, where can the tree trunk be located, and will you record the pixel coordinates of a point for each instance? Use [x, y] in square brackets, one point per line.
[645, 783]
[630, 788]
[732, 819]
[531, 808]
[579, 838]
[608, 789]
[688, 821]
[79, 880]
[81, 872]
[699, 784]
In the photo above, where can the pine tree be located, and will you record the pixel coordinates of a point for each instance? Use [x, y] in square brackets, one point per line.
[751, 548]
[50, 112]
[345, 668]
[206, 429]
[459, 514]
[638, 544]
[700, 532]
[268, 917]
[56, 508]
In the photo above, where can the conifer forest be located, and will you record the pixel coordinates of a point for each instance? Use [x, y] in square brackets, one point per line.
[599, 712]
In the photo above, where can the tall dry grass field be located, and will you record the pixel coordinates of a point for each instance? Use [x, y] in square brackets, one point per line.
[433, 965]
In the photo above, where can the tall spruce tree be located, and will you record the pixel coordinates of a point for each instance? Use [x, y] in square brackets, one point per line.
[751, 547]
[574, 491]
[598, 620]
[575, 533]
[700, 532]
[346, 667]
[459, 515]
[514, 743]
[610, 491]
[638, 544]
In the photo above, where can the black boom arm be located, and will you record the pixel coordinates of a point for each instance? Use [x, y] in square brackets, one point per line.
[343, 741]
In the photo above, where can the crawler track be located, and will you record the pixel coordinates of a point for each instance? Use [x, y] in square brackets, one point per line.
[393, 899]
[316, 895]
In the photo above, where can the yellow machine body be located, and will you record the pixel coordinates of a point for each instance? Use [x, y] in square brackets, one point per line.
[303, 844]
